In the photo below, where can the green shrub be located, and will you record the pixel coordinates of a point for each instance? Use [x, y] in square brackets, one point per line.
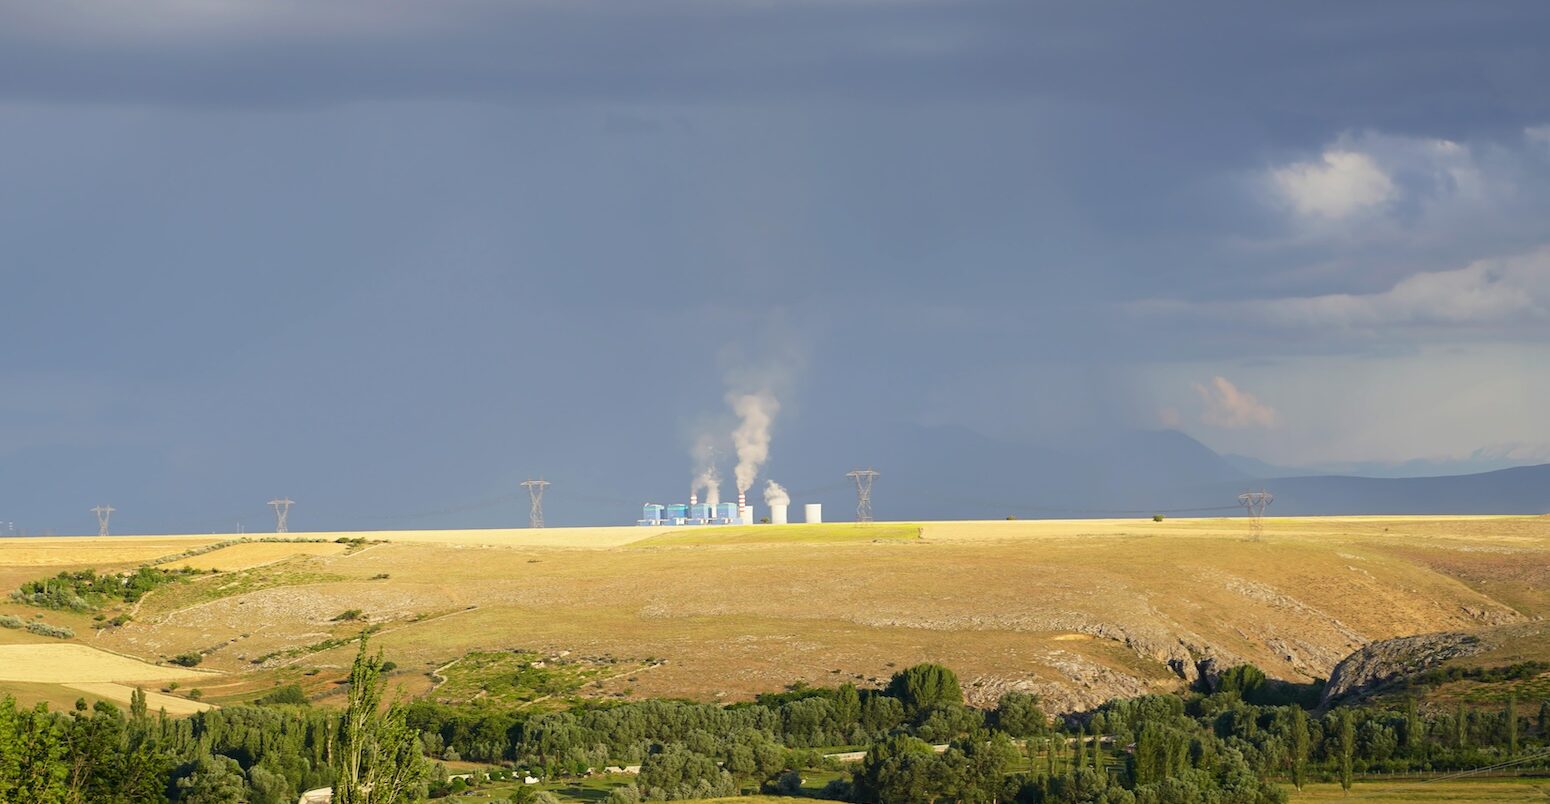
[190, 659]
[291, 694]
[44, 629]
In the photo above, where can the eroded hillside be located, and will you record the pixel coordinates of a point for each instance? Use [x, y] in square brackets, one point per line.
[1077, 611]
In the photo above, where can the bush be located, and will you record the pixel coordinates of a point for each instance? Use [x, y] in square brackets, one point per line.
[11, 621]
[44, 629]
[290, 694]
[1157, 517]
[191, 659]
[348, 614]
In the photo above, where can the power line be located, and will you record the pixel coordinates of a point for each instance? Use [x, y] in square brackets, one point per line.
[535, 491]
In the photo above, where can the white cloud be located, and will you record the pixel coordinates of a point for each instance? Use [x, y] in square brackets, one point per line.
[1479, 402]
[1538, 135]
[1338, 185]
[1229, 408]
[1506, 296]
[1486, 293]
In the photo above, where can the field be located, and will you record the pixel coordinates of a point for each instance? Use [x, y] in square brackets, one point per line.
[253, 554]
[1078, 611]
[1483, 791]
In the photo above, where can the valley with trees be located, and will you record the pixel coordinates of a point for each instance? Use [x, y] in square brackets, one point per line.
[548, 671]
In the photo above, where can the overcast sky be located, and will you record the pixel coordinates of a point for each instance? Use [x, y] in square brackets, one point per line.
[388, 256]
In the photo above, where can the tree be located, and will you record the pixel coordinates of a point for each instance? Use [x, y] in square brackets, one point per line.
[1415, 732]
[1297, 745]
[1346, 735]
[213, 780]
[924, 686]
[1512, 724]
[1019, 715]
[898, 770]
[378, 755]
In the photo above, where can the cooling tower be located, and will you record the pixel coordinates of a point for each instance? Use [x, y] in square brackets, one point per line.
[813, 512]
[778, 514]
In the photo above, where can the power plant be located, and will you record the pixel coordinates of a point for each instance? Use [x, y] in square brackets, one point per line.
[751, 444]
[698, 513]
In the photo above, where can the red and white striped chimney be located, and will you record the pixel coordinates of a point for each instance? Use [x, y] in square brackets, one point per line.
[694, 498]
[742, 504]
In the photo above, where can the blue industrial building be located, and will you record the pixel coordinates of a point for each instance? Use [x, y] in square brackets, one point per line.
[695, 514]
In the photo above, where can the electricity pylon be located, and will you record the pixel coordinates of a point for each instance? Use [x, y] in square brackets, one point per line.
[535, 491]
[863, 478]
[103, 512]
[282, 510]
[1254, 502]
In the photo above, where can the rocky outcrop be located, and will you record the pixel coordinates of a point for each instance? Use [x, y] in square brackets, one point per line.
[1382, 662]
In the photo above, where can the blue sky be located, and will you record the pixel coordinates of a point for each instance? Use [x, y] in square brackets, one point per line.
[391, 257]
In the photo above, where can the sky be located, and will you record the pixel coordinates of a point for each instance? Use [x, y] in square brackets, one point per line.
[390, 258]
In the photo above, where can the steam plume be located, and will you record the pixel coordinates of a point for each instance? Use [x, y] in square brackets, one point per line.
[709, 477]
[752, 436]
[710, 480]
[775, 494]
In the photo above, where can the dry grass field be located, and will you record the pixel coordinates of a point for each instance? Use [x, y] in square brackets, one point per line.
[1078, 611]
[154, 701]
[69, 663]
[1462, 791]
[253, 554]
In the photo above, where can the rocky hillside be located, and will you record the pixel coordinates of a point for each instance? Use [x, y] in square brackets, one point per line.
[1383, 665]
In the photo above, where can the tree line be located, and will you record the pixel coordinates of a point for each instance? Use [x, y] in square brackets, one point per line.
[1243, 742]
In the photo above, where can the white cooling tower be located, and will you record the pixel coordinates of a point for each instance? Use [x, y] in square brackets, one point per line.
[778, 514]
[813, 512]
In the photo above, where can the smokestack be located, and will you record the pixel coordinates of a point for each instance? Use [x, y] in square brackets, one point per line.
[742, 506]
[778, 514]
[694, 497]
[814, 513]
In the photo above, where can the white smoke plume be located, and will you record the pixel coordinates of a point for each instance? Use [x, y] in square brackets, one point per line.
[710, 480]
[775, 494]
[709, 477]
[751, 439]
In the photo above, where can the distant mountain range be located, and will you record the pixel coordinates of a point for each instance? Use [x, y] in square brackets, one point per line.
[956, 473]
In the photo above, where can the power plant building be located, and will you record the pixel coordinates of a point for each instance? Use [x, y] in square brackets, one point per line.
[698, 513]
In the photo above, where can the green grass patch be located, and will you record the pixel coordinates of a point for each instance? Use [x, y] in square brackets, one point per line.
[232, 584]
[522, 677]
[783, 534]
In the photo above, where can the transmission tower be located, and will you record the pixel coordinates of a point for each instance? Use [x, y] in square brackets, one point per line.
[103, 512]
[535, 491]
[282, 510]
[1254, 502]
[863, 478]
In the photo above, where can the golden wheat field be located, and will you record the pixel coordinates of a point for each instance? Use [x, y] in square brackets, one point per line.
[1078, 611]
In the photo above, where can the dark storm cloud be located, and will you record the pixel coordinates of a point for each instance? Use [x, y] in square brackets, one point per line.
[388, 256]
[1447, 67]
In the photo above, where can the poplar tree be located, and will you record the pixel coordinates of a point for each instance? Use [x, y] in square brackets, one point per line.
[1347, 737]
[1512, 725]
[378, 755]
[1298, 745]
